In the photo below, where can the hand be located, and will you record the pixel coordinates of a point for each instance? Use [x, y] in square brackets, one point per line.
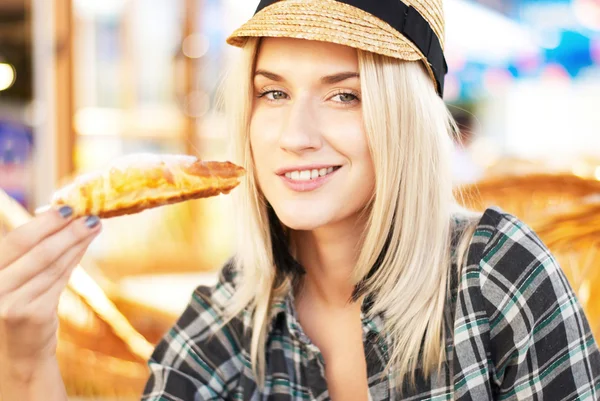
[36, 261]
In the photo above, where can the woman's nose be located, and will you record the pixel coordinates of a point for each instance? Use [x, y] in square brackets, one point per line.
[300, 132]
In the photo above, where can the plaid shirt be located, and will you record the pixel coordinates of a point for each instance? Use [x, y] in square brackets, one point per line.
[514, 331]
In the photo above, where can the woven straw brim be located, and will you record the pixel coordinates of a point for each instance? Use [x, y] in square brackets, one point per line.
[329, 21]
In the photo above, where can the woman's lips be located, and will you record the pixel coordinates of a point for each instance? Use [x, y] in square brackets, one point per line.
[297, 180]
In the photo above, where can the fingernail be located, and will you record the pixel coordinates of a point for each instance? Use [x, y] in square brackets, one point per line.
[66, 211]
[92, 221]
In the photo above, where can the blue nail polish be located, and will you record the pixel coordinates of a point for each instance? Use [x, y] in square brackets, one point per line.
[66, 211]
[92, 221]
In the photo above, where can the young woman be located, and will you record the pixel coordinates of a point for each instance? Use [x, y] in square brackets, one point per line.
[356, 275]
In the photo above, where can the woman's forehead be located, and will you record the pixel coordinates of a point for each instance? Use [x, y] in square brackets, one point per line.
[294, 54]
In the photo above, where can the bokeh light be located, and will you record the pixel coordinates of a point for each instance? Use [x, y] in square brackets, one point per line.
[8, 76]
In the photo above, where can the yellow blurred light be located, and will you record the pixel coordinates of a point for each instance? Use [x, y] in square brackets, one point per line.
[195, 45]
[584, 292]
[8, 75]
[597, 173]
[581, 170]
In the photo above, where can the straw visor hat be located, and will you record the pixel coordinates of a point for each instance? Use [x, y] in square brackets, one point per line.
[408, 30]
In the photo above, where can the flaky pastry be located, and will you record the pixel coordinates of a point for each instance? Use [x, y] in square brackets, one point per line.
[141, 181]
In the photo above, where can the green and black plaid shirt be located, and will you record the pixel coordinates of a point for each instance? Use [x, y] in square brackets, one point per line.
[515, 331]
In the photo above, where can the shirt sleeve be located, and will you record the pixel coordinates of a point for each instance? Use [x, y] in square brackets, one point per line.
[541, 343]
[199, 358]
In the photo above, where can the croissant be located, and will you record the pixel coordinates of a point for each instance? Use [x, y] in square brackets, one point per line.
[137, 182]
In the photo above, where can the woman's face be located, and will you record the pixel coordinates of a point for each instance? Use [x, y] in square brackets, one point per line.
[309, 146]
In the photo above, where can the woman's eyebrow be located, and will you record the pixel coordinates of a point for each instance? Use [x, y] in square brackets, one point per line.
[339, 77]
[270, 75]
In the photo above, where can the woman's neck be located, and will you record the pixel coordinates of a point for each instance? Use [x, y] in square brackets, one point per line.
[329, 256]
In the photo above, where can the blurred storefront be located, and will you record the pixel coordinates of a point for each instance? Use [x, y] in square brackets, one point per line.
[102, 79]
[530, 73]
[16, 92]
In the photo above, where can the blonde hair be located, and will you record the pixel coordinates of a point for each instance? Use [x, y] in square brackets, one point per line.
[409, 220]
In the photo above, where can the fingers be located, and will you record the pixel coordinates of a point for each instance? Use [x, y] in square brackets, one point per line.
[24, 238]
[36, 302]
[44, 257]
[46, 287]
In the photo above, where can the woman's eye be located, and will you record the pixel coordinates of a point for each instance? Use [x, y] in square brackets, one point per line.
[275, 95]
[345, 98]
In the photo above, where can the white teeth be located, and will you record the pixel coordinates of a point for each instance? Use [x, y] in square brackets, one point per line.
[307, 175]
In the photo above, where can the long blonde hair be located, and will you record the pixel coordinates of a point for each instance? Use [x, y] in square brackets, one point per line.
[410, 217]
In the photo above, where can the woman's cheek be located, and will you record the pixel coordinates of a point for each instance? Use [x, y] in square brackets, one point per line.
[262, 143]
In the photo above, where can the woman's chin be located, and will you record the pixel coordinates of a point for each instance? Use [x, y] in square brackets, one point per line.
[303, 221]
[298, 224]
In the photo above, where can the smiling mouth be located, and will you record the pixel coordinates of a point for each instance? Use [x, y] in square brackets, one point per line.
[308, 175]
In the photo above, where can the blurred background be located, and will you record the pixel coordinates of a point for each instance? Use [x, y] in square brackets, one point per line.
[83, 82]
